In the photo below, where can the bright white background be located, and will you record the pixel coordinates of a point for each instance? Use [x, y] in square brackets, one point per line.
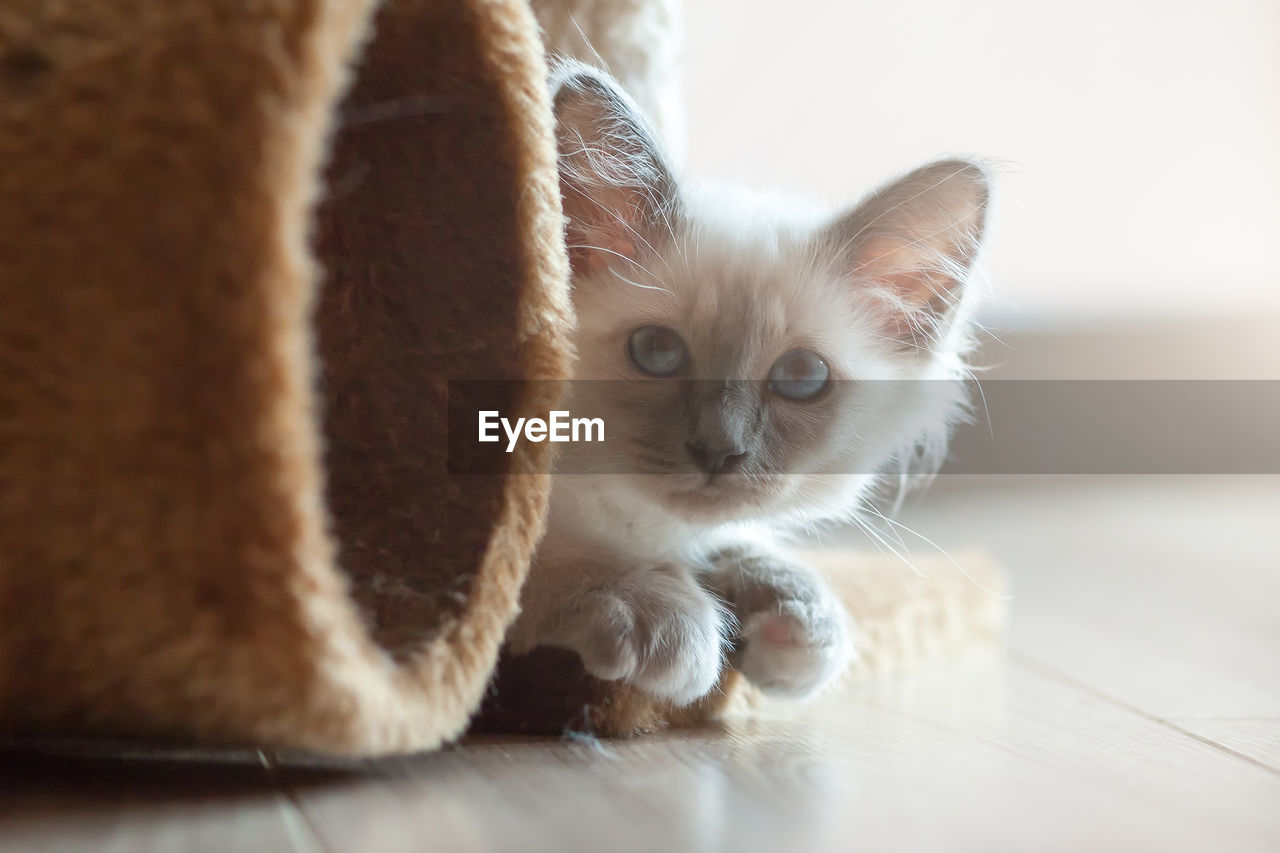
[1140, 140]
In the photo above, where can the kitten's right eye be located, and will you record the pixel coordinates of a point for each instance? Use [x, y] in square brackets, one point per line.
[799, 375]
[657, 350]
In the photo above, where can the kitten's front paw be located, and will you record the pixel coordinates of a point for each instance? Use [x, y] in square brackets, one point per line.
[659, 631]
[795, 635]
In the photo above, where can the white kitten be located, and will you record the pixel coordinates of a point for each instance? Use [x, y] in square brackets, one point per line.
[759, 369]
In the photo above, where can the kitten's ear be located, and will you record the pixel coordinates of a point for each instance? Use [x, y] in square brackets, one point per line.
[913, 242]
[614, 180]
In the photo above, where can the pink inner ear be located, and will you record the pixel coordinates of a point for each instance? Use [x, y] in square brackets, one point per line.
[600, 227]
[903, 267]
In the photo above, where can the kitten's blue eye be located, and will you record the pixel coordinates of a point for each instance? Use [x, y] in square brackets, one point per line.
[799, 375]
[657, 350]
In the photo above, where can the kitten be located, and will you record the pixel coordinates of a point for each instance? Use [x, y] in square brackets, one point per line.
[739, 343]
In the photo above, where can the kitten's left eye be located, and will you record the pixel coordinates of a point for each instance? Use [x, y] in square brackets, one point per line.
[799, 375]
[657, 350]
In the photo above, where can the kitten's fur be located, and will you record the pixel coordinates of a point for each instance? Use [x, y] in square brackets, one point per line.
[654, 566]
[639, 42]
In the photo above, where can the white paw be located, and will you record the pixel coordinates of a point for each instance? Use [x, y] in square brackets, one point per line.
[659, 631]
[796, 647]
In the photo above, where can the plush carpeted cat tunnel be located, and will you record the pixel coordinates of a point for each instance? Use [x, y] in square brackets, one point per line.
[244, 250]
[208, 531]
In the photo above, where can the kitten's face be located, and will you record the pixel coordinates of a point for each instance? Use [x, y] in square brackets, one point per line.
[751, 363]
[687, 398]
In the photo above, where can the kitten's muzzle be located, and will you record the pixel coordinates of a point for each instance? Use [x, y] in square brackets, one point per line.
[721, 418]
[716, 460]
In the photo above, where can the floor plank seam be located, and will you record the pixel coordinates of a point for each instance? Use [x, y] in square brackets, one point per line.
[1064, 678]
[305, 835]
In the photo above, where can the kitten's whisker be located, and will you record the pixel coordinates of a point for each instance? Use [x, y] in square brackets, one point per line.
[890, 561]
[871, 531]
[617, 254]
[950, 559]
[894, 533]
[617, 274]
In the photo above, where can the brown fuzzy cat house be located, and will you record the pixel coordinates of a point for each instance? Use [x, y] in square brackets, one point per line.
[243, 250]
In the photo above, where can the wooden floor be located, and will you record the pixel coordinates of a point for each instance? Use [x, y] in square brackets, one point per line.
[1136, 707]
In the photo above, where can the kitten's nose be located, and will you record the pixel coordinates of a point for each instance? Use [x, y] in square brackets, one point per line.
[716, 460]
